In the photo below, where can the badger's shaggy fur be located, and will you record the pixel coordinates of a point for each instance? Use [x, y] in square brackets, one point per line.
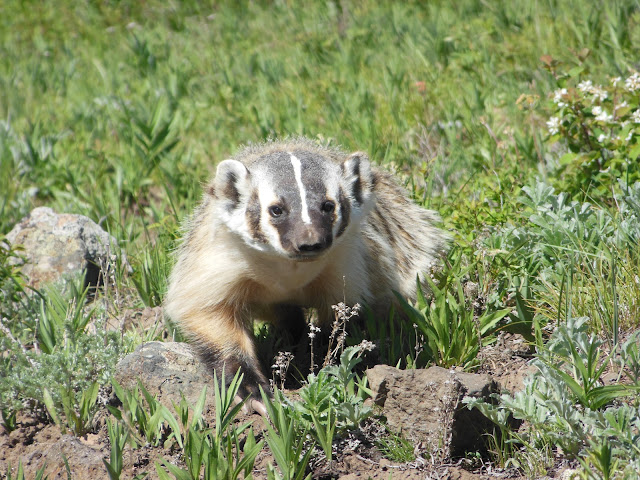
[293, 224]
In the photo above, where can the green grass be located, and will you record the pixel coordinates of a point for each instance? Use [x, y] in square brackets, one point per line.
[121, 110]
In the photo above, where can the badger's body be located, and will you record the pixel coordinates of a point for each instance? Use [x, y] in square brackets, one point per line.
[288, 225]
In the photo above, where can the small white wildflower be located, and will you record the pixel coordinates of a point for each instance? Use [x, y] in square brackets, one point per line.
[629, 136]
[585, 86]
[603, 116]
[623, 104]
[599, 93]
[558, 97]
[553, 125]
[313, 330]
[597, 110]
[615, 81]
[635, 116]
[633, 82]
[601, 138]
[367, 346]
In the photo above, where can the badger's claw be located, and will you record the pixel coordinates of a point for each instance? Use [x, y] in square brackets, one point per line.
[251, 405]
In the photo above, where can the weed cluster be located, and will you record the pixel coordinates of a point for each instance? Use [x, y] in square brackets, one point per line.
[565, 405]
[55, 365]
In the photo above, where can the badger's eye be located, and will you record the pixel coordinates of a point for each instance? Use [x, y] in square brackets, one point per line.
[328, 206]
[275, 211]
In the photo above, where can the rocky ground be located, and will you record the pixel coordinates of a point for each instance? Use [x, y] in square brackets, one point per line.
[421, 403]
[425, 405]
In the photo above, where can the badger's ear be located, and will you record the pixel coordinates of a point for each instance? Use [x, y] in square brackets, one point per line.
[232, 179]
[358, 176]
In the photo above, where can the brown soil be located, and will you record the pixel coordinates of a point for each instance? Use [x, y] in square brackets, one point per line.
[35, 443]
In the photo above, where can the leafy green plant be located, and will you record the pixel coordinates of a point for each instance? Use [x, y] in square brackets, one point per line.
[146, 419]
[584, 248]
[58, 317]
[573, 358]
[286, 439]
[214, 453]
[78, 420]
[332, 402]
[396, 448]
[151, 275]
[55, 362]
[452, 336]
[336, 393]
[9, 419]
[600, 458]
[118, 437]
[21, 476]
[564, 404]
[190, 417]
[14, 302]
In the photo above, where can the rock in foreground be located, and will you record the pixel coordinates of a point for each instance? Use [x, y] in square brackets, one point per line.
[425, 405]
[166, 369]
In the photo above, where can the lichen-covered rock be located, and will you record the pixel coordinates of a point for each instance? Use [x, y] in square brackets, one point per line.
[56, 245]
[425, 405]
[167, 370]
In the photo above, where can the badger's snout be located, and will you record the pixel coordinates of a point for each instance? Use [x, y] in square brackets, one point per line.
[311, 241]
[314, 247]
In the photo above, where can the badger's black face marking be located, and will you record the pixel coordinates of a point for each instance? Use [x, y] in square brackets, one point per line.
[345, 211]
[253, 215]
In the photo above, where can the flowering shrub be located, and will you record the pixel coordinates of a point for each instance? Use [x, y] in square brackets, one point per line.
[598, 130]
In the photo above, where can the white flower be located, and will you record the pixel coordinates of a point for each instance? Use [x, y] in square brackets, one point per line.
[635, 116]
[597, 110]
[585, 86]
[615, 81]
[599, 92]
[603, 116]
[633, 82]
[553, 125]
[601, 138]
[558, 97]
[622, 105]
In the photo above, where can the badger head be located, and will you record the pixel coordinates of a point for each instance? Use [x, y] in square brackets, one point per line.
[295, 204]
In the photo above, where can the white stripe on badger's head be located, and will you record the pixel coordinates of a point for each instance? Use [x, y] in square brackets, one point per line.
[297, 171]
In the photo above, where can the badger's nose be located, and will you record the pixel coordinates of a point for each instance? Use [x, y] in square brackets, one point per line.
[311, 247]
[311, 241]
[313, 244]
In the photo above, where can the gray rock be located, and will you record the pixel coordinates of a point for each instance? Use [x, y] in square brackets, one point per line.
[61, 244]
[167, 370]
[426, 406]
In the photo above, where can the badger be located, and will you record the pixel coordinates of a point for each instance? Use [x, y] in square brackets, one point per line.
[291, 224]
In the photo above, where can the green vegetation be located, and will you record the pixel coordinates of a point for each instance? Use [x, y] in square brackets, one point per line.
[518, 121]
